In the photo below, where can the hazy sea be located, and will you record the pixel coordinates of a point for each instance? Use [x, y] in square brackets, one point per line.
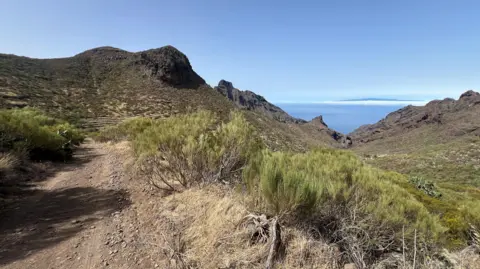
[341, 117]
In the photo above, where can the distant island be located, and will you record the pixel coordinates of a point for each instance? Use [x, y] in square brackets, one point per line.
[378, 99]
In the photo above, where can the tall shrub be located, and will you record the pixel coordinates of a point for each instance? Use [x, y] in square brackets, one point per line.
[332, 191]
[182, 151]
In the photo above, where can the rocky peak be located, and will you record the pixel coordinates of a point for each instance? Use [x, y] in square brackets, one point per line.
[166, 64]
[171, 66]
[319, 121]
[469, 94]
[225, 84]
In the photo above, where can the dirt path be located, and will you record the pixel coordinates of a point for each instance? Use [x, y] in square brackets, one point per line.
[81, 217]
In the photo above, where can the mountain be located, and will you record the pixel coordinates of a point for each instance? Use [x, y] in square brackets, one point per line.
[105, 85]
[437, 122]
[100, 82]
[252, 101]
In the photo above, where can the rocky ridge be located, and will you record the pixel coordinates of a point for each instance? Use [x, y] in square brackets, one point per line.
[440, 119]
[252, 101]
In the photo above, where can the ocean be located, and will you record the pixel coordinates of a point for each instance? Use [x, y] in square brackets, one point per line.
[341, 117]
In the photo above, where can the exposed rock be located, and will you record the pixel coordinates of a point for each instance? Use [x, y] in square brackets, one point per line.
[318, 121]
[469, 94]
[171, 66]
[252, 101]
[346, 141]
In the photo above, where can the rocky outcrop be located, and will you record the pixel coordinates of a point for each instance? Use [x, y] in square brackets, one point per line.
[171, 66]
[319, 121]
[344, 140]
[319, 124]
[251, 101]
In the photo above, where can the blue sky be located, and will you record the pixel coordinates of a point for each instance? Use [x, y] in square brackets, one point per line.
[285, 50]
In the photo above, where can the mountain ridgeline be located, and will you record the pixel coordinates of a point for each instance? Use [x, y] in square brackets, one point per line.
[251, 101]
[439, 121]
[105, 85]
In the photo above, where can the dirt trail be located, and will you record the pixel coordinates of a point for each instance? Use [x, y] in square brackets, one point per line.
[80, 217]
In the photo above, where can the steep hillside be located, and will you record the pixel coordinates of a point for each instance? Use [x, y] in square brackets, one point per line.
[252, 101]
[106, 85]
[412, 127]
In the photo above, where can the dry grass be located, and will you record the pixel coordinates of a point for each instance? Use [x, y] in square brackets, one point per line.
[7, 161]
[303, 251]
[469, 258]
[202, 228]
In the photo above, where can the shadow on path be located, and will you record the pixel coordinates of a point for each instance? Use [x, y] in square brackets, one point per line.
[33, 224]
[24, 179]
[37, 219]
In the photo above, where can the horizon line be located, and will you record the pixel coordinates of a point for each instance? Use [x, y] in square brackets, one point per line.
[363, 102]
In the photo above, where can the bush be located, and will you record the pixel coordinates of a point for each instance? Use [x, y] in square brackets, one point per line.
[125, 130]
[183, 151]
[426, 186]
[32, 131]
[361, 208]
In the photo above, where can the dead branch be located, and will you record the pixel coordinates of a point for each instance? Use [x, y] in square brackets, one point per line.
[276, 242]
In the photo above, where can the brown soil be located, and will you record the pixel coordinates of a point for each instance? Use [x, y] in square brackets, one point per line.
[80, 217]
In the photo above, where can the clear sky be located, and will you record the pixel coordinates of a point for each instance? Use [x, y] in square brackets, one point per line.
[285, 50]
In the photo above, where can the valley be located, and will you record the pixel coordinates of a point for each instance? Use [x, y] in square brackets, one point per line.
[157, 169]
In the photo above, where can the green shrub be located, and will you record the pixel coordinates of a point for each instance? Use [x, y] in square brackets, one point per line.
[426, 186]
[42, 137]
[456, 215]
[360, 207]
[182, 151]
[125, 130]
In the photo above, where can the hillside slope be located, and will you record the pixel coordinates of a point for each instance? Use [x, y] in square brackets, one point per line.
[414, 127]
[105, 85]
